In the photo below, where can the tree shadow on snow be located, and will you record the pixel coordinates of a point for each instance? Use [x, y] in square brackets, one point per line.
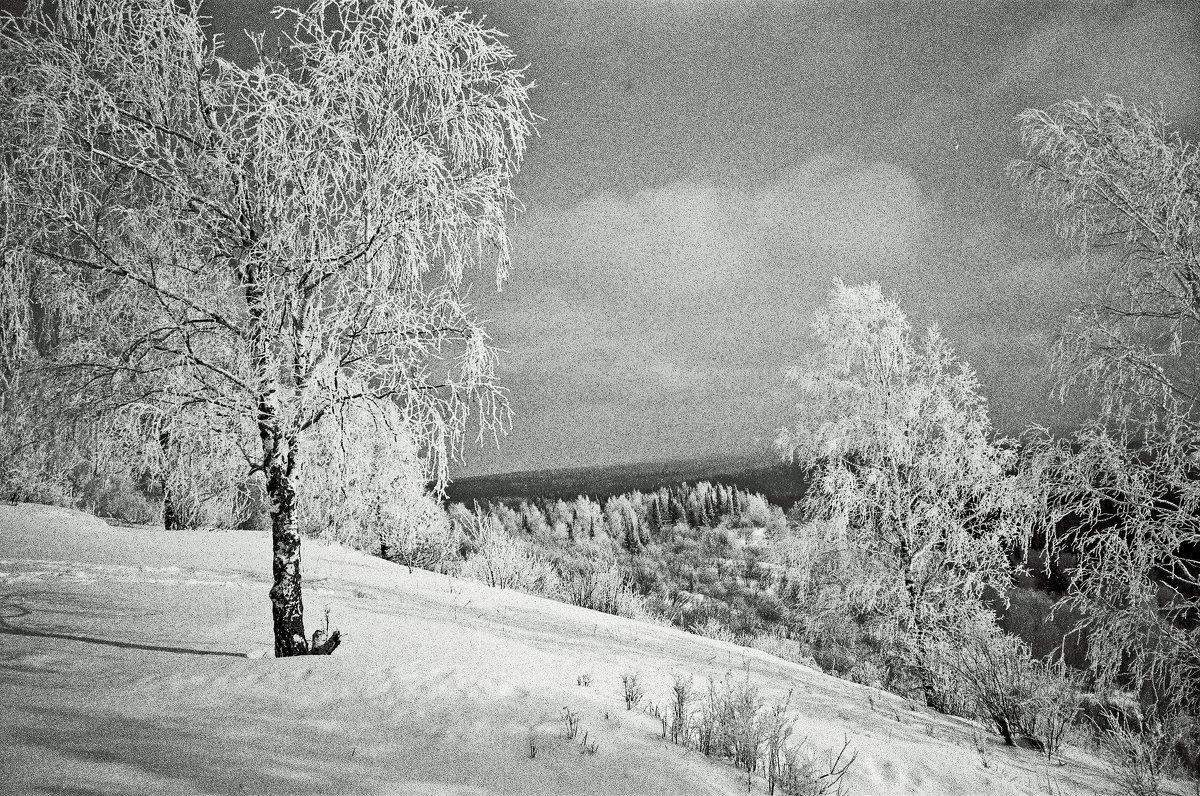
[11, 607]
[8, 629]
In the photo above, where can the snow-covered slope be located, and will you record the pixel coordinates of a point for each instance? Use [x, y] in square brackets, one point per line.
[132, 661]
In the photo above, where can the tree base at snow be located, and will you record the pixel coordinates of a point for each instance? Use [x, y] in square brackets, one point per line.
[323, 644]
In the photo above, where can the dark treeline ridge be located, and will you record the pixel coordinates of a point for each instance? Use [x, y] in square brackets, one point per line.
[780, 483]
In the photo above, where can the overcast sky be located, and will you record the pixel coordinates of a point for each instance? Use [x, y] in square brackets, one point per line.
[705, 171]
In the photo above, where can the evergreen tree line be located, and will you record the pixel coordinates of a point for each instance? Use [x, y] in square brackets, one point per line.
[633, 520]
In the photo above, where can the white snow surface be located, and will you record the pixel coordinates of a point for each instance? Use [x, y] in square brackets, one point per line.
[137, 660]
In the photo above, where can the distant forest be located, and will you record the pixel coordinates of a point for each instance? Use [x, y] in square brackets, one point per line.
[780, 483]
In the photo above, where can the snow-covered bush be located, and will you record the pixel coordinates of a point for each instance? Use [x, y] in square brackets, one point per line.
[600, 586]
[502, 561]
[27, 483]
[371, 493]
[733, 721]
[715, 629]
[632, 689]
[632, 605]
[1027, 699]
[116, 497]
[414, 530]
[1139, 756]
[1057, 703]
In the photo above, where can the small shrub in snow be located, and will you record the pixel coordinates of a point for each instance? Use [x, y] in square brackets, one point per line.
[632, 605]
[734, 723]
[787, 649]
[1056, 704]
[425, 540]
[589, 747]
[594, 584]
[743, 729]
[597, 584]
[779, 729]
[117, 498]
[713, 628]
[633, 690]
[681, 697]
[727, 723]
[868, 673]
[26, 482]
[1025, 698]
[980, 742]
[572, 730]
[1138, 755]
[996, 678]
[571, 719]
[803, 774]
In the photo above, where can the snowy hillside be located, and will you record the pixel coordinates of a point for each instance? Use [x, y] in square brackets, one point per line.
[137, 661]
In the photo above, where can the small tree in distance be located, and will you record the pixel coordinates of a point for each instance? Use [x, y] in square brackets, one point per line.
[897, 435]
[274, 244]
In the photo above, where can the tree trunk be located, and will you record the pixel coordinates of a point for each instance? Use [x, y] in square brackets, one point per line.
[929, 689]
[1005, 730]
[287, 606]
[172, 519]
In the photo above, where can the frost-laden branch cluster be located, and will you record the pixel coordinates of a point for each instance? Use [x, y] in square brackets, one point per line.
[1130, 516]
[266, 246]
[1122, 495]
[1125, 191]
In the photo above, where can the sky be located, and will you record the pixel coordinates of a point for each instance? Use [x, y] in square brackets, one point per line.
[705, 171]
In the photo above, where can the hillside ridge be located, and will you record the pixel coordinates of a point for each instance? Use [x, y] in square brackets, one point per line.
[137, 661]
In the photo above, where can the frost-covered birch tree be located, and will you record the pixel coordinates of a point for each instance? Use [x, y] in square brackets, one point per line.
[1123, 495]
[267, 244]
[896, 433]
